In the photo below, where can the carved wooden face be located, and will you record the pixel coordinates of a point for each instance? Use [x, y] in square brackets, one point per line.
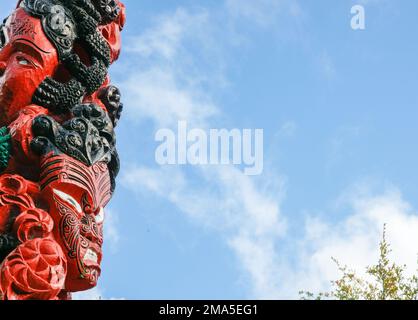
[27, 57]
[77, 195]
[80, 233]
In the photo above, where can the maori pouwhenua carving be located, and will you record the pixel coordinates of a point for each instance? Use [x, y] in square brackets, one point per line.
[58, 157]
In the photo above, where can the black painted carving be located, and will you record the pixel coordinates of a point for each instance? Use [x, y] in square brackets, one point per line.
[111, 98]
[90, 77]
[88, 136]
[57, 23]
[58, 97]
[108, 9]
[67, 22]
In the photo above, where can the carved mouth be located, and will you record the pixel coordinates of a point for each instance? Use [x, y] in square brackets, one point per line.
[91, 256]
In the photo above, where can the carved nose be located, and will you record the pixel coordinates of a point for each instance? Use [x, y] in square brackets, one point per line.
[3, 66]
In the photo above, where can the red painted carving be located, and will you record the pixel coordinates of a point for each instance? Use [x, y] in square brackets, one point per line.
[76, 196]
[51, 204]
[25, 60]
[35, 270]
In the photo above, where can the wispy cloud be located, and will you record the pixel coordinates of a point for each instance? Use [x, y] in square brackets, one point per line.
[246, 214]
[167, 36]
[168, 83]
[354, 240]
[93, 294]
[111, 230]
[245, 211]
[159, 95]
[262, 12]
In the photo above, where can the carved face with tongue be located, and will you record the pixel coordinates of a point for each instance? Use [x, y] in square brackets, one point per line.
[82, 237]
[77, 195]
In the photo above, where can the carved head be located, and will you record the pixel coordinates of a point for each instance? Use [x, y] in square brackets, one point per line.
[27, 57]
[77, 197]
[76, 188]
[55, 53]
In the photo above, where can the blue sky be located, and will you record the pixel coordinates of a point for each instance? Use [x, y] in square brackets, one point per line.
[339, 113]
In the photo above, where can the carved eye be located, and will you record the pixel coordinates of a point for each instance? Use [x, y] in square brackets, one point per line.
[23, 61]
[69, 200]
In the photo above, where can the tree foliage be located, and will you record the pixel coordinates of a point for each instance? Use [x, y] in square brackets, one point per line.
[386, 280]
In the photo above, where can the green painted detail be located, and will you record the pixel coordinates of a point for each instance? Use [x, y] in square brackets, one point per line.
[5, 148]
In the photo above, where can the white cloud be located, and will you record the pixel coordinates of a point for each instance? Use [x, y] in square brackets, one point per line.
[249, 219]
[262, 12]
[92, 294]
[228, 200]
[245, 210]
[157, 94]
[166, 38]
[167, 83]
[247, 215]
[111, 231]
[353, 241]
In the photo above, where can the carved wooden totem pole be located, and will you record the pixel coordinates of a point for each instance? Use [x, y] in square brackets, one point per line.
[58, 159]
